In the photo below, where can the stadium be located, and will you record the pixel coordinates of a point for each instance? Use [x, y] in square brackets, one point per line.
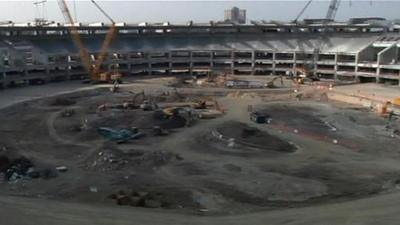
[347, 52]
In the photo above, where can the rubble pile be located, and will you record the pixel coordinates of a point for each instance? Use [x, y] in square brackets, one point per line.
[109, 160]
[22, 168]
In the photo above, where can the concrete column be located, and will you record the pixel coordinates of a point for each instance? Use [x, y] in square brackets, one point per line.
[378, 69]
[169, 63]
[316, 59]
[399, 78]
[211, 61]
[26, 75]
[273, 62]
[129, 67]
[294, 61]
[253, 61]
[4, 76]
[386, 56]
[335, 68]
[48, 75]
[356, 65]
[148, 60]
[232, 62]
[190, 63]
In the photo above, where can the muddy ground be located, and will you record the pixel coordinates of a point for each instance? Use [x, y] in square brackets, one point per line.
[311, 153]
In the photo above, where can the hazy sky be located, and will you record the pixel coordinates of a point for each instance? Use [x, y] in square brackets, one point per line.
[200, 11]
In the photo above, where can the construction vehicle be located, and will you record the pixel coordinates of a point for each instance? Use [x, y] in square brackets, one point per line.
[171, 111]
[270, 84]
[396, 102]
[383, 110]
[259, 117]
[302, 74]
[148, 105]
[94, 69]
[200, 104]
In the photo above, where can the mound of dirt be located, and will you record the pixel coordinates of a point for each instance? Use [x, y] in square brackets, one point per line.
[253, 137]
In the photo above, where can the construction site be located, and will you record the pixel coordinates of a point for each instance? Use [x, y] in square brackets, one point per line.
[219, 123]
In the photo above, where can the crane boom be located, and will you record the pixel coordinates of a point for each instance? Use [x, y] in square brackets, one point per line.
[101, 10]
[111, 34]
[333, 7]
[83, 52]
[93, 69]
[302, 11]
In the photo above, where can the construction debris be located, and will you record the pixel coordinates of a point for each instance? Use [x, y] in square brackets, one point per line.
[61, 168]
[120, 135]
[22, 168]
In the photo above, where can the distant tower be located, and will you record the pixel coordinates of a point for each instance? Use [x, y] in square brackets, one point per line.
[235, 15]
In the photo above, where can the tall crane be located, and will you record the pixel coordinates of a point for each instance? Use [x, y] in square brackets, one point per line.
[93, 69]
[76, 38]
[330, 16]
[333, 7]
[110, 36]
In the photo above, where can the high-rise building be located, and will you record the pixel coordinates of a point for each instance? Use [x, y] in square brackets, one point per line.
[235, 15]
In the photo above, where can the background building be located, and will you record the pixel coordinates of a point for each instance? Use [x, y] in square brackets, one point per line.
[235, 15]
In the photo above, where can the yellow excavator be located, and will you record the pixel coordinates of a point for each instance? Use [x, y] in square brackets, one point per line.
[303, 74]
[94, 69]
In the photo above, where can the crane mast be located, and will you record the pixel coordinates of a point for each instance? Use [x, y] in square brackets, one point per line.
[93, 69]
[83, 52]
[330, 16]
[110, 36]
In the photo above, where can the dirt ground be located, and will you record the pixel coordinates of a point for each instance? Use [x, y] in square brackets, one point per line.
[312, 153]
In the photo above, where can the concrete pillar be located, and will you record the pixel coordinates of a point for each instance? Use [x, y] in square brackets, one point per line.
[129, 67]
[190, 63]
[316, 59]
[26, 75]
[273, 62]
[253, 61]
[169, 63]
[335, 68]
[4, 77]
[48, 75]
[232, 62]
[294, 61]
[148, 60]
[211, 61]
[378, 69]
[356, 65]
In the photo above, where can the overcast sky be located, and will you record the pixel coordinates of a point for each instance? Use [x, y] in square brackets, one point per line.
[199, 11]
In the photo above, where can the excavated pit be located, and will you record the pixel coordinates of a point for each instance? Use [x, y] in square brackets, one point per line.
[216, 166]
